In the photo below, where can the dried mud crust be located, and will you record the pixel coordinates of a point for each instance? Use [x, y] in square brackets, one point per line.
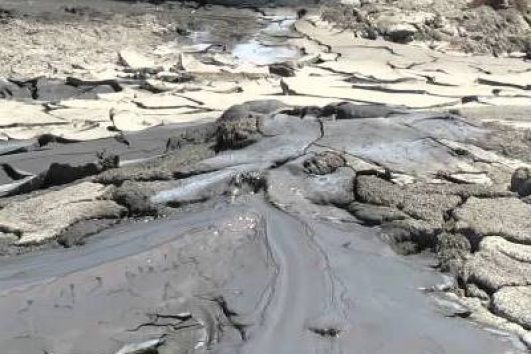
[466, 27]
[69, 38]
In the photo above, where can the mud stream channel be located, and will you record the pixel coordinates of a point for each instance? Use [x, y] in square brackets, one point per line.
[244, 277]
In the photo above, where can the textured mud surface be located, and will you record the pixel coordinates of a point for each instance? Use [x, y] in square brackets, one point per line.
[256, 234]
[292, 190]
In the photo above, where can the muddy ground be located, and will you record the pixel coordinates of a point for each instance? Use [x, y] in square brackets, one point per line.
[169, 187]
[219, 243]
[467, 26]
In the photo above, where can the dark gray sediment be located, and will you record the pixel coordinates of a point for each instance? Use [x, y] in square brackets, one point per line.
[261, 242]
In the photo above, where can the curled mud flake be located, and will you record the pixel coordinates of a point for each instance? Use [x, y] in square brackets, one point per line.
[107, 160]
[462, 314]
[472, 290]
[514, 304]
[147, 347]
[302, 112]
[171, 322]
[498, 264]
[326, 332]
[76, 234]
[14, 173]
[286, 90]
[230, 315]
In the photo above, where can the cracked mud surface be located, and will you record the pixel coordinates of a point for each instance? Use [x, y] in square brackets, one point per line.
[264, 240]
[190, 199]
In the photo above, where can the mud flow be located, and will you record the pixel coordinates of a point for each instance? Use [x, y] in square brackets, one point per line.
[261, 178]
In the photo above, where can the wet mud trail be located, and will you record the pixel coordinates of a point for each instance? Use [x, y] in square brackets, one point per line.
[296, 286]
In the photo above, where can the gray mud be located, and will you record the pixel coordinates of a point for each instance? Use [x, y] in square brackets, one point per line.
[256, 235]
[284, 278]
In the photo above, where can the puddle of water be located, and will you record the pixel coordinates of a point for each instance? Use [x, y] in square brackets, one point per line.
[200, 36]
[279, 28]
[255, 53]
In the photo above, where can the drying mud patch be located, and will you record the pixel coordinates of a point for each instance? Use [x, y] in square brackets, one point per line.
[275, 229]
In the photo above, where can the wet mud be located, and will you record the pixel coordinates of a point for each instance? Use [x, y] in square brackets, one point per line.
[285, 280]
[258, 238]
